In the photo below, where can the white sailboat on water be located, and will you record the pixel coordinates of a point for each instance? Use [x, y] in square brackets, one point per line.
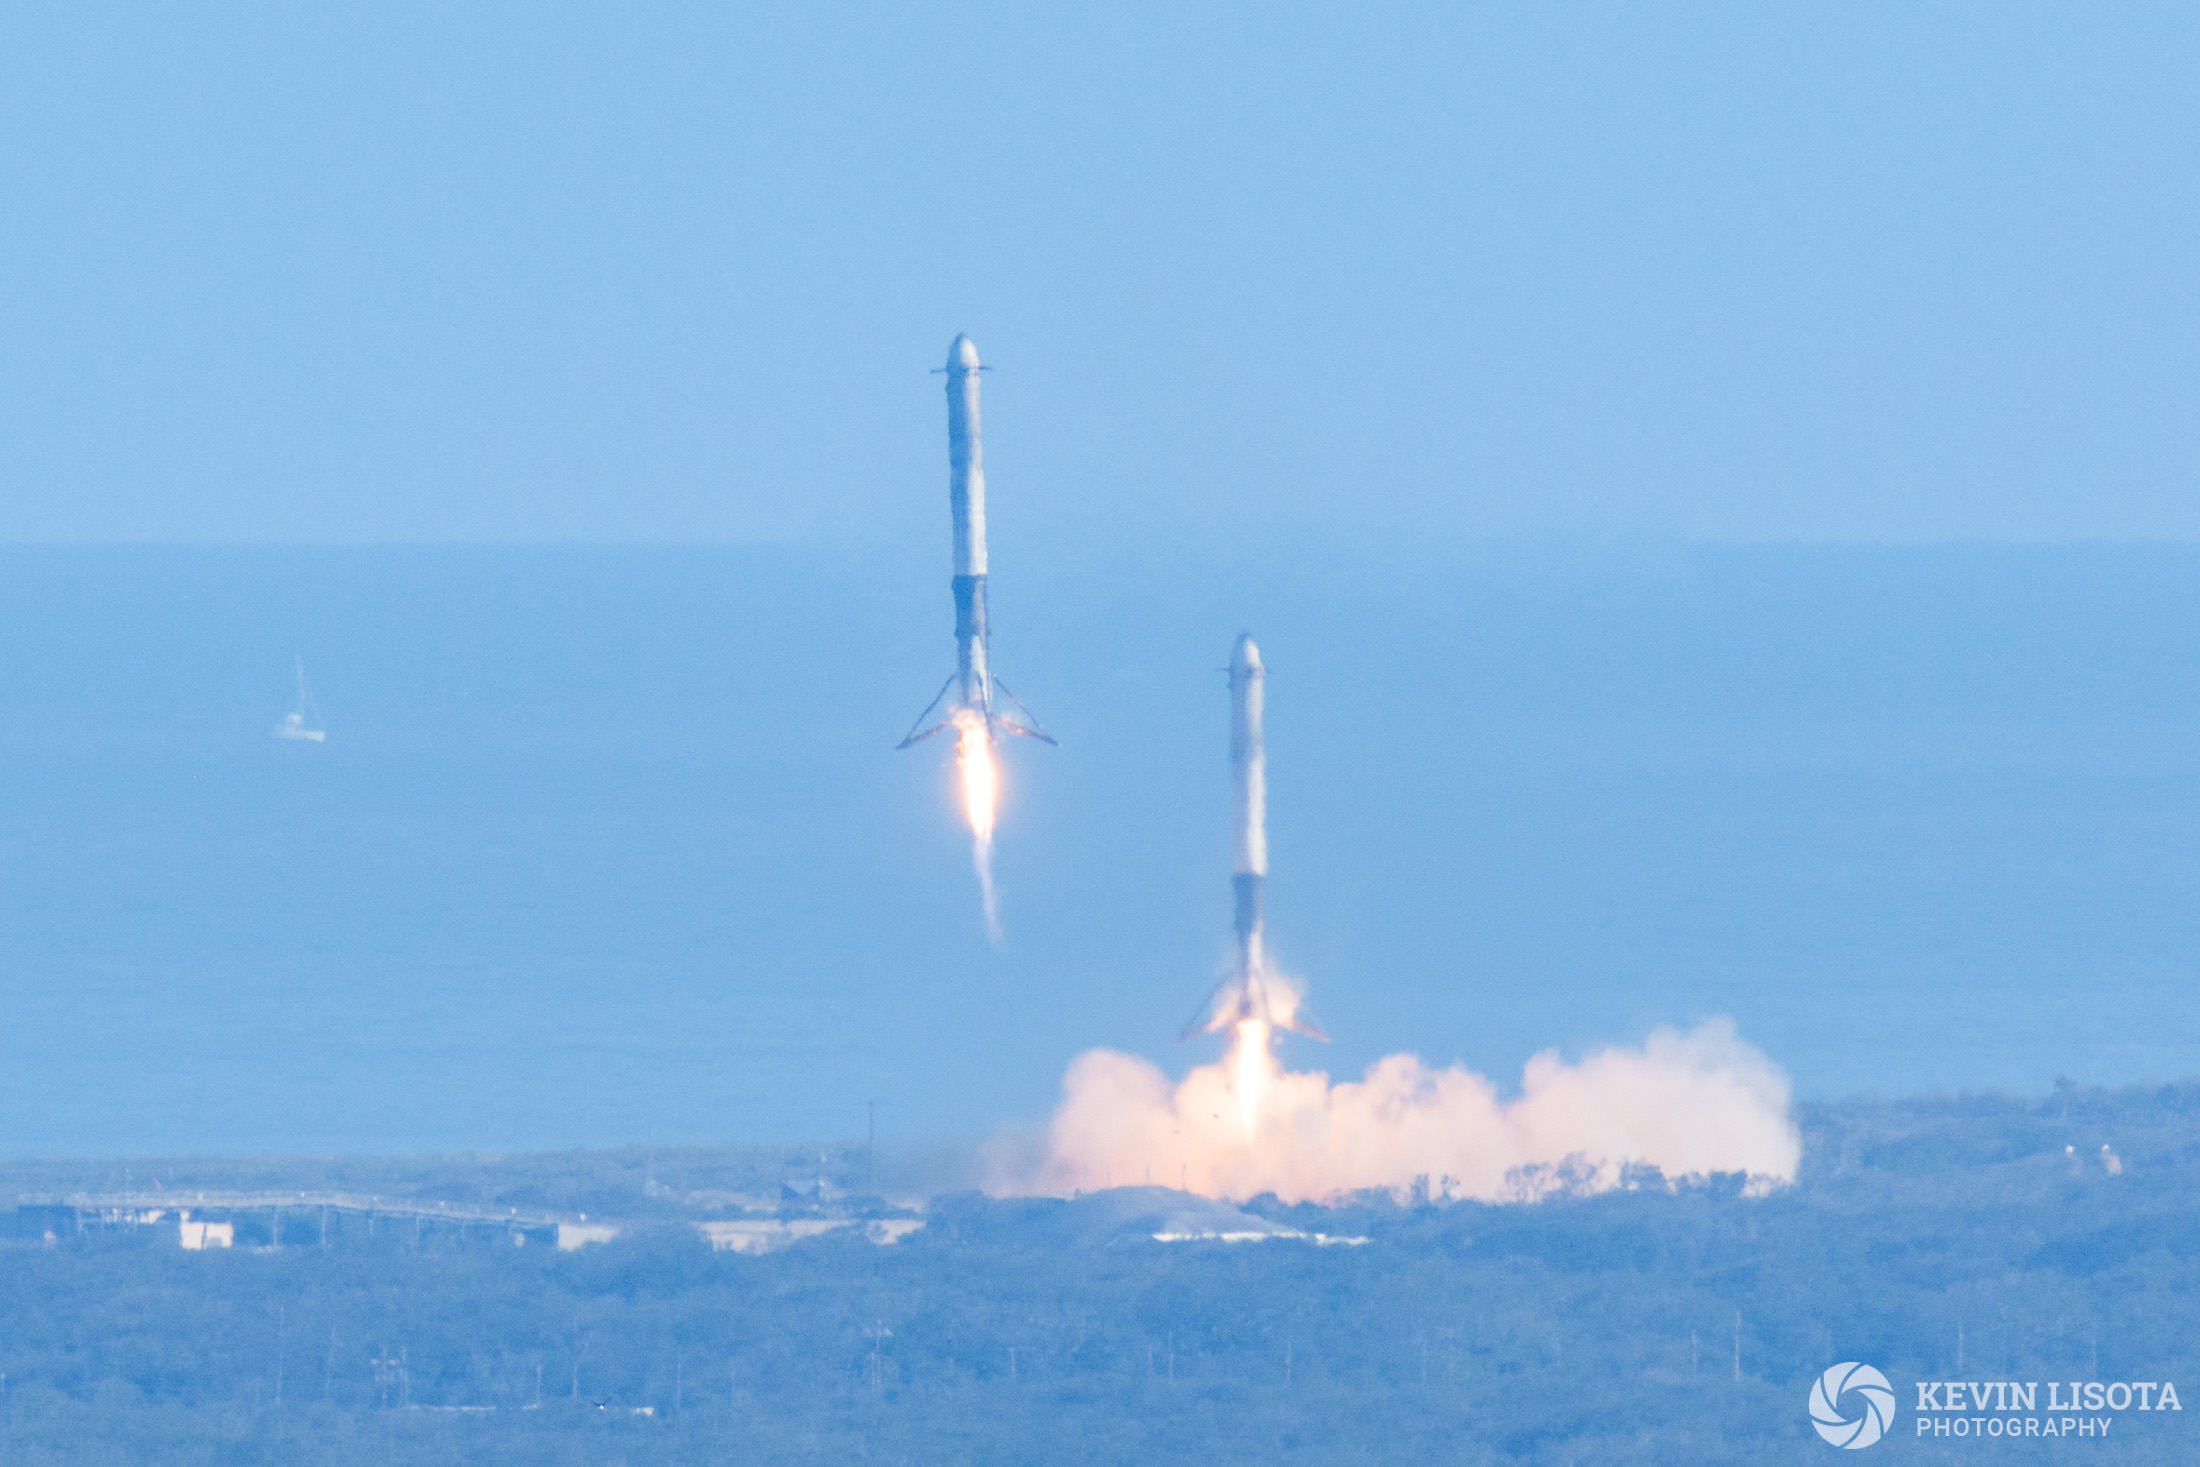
[299, 724]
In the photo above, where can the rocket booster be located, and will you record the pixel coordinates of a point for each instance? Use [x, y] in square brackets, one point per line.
[966, 507]
[1248, 801]
[1251, 991]
[973, 694]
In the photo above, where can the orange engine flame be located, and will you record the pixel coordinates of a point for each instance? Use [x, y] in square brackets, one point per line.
[1249, 1067]
[981, 787]
[981, 782]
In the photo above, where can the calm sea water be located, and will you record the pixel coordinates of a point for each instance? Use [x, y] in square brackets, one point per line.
[612, 844]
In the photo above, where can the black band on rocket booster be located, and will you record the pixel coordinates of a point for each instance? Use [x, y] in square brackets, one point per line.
[1248, 902]
[969, 607]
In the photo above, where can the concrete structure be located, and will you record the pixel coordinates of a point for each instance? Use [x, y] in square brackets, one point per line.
[197, 1235]
[770, 1234]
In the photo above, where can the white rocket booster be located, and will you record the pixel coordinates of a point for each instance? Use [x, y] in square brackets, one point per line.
[1248, 800]
[973, 692]
[1251, 991]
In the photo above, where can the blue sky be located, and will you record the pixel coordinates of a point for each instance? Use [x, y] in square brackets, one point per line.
[1368, 275]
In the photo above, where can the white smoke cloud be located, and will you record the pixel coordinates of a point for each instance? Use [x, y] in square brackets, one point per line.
[1688, 1104]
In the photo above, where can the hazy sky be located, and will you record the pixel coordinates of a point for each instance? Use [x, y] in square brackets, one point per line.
[1377, 274]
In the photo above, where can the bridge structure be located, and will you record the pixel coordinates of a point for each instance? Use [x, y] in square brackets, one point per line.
[287, 1212]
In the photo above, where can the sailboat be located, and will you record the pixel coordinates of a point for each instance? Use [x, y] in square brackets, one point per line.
[295, 724]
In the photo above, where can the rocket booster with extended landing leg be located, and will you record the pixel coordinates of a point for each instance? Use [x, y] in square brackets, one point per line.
[973, 693]
[1251, 991]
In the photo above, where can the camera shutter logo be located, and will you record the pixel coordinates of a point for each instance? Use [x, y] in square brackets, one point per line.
[1868, 1392]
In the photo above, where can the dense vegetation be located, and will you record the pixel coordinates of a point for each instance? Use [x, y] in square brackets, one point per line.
[1977, 1238]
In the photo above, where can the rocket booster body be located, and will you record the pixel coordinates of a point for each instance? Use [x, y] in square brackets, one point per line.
[1250, 991]
[966, 507]
[973, 694]
[1248, 802]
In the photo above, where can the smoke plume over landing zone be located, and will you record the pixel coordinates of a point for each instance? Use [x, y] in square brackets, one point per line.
[1689, 1104]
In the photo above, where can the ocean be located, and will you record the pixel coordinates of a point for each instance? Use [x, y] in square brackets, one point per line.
[612, 844]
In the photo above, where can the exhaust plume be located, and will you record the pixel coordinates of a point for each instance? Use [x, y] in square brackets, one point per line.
[1689, 1104]
[981, 788]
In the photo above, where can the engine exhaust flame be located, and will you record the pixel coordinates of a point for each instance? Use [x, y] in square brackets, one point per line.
[1250, 1063]
[981, 788]
[1689, 1104]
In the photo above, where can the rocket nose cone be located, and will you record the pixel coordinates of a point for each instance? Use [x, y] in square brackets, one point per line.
[962, 354]
[1245, 657]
